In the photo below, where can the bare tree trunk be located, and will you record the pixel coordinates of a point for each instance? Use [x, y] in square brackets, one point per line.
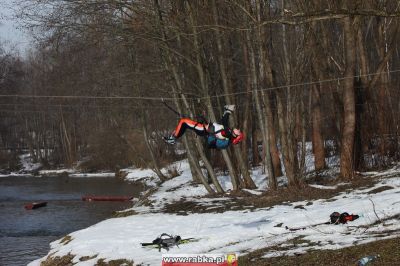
[385, 107]
[347, 147]
[248, 181]
[66, 140]
[303, 134]
[287, 147]
[276, 160]
[260, 114]
[248, 117]
[29, 139]
[381, 96]
[254, 140]
[251, 116]
[267, 79]
[367, 120]
[286, 119]
[204, 87]
[156, 166]
[173, 70]
[197, 143]
[317, 139]
[188, 143]
[316, 114]
[264, 118]
[203, 156]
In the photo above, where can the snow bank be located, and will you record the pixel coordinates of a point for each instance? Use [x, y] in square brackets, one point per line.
[236, 231]
[27, 164]
[28, 168]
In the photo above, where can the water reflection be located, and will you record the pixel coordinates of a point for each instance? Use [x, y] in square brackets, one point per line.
[25, 235]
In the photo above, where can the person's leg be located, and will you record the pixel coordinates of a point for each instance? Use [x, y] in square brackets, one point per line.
[225, 119]
[222, 127]
[228, 109]
[186, 123]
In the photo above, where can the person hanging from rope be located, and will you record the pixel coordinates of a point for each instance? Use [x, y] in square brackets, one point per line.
[218, 135]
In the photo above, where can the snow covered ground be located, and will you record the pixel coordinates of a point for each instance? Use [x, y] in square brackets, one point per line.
[239, 231]
[29, 168]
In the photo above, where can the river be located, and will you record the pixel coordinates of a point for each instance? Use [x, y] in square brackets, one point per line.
[25, 235]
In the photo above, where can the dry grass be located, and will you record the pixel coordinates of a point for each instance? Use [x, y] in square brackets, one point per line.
[387, 249]
[120, 262]
[120, 214]
[380, 189]
[243, 200]
[66, 240]
[67, 261]
[86, 258]
[58, 261]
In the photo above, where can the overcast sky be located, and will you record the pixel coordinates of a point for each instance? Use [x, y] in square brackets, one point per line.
[9, 31]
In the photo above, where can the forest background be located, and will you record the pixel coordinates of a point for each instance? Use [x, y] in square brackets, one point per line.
[93, 89]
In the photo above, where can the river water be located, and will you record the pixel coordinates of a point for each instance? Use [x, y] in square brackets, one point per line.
[25, 234]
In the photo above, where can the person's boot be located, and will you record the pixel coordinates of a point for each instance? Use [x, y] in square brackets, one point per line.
[229, 108]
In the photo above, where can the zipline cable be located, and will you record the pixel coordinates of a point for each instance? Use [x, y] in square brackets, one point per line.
[194, 98]
[170, 108]
[84, 97]
[304, 83]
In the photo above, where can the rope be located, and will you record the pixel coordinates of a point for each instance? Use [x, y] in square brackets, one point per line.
[170, 108]
[202, 118]
[195, 98]
[85, 97]
[304, 84]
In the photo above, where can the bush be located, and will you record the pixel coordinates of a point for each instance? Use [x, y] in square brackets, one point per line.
[107, 150]
[9, 161]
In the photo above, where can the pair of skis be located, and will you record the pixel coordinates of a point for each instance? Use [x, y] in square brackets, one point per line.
[166, 241]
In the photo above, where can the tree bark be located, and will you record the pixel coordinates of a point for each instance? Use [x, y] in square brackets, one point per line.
[317, 139]
[316, 113]
[156, 166]
[175, 74]
[266, 156]
[248, 181]
[348, 133]
[276, 160]
[204, 87]
[287, 119]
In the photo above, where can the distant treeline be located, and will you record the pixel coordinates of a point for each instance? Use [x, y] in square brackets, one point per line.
[301, 71]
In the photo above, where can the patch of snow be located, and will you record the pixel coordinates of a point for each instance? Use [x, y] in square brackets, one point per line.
[239, 231]
[15, 175]
[92, 175]
[148, 176]
[27, 163]
[138, 174]
[252, 191]
[323, 187]
[57, 171]
[74, 173]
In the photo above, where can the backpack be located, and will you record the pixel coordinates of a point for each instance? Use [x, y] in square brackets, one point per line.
[342, 218]
[216, 143]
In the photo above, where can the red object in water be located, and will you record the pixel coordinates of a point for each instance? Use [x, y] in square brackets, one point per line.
[35, 205]
[106, 198]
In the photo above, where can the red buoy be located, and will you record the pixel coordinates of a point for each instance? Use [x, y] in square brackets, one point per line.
[107, 198]
[35, 205]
